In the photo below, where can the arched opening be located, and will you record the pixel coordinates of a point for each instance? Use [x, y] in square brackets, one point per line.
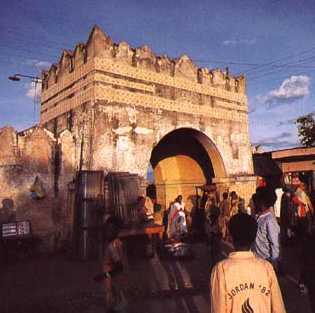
[183, 159]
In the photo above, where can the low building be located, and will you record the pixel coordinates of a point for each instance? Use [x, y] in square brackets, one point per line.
[282, 166]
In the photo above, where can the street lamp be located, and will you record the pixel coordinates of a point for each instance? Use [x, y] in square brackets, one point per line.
[14, 78]
[17, 77]
[35, 80]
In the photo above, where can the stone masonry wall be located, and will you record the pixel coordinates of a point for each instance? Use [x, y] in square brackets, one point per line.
[26, 156]
[123, 100]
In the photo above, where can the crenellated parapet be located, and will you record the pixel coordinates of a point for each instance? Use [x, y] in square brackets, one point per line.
[124, 53]
[101, 45]
[66, 63]
[184, 67]
[164, 65]
[103, 70]
[79, 55]
[144, 57]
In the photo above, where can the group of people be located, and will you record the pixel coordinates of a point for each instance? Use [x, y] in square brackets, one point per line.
[256, 239]
[207, 217]
[216, 218]
[234, 288]
[217, 215]
[246, 281]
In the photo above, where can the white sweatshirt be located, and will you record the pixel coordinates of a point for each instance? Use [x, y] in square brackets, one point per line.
[245, 283]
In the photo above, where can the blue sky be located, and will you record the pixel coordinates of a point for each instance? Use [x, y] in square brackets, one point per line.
[271, 42]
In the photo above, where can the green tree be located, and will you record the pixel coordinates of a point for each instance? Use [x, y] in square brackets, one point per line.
[306, 130]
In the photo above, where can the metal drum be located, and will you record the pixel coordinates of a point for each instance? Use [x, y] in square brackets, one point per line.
[124, 190]
[91, 185]
[89, 214]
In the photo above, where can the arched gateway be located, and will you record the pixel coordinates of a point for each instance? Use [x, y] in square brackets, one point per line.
[109, 107]
[183, 159]
[126, 102]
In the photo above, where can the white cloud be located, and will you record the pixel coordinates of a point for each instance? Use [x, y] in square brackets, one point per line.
[40, 65]
[229, 42]
[282, 140]
[43, 65]
[234, 42]
[33, 91]
[291, 89]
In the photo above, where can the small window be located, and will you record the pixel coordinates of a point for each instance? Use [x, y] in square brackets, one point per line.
[85, 53]
[70, 120]
[227, 84]
[199, 76]
[71, 65]
[55, 127]
[237, 85]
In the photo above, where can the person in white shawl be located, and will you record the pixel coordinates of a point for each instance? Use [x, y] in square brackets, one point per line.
[176, 219]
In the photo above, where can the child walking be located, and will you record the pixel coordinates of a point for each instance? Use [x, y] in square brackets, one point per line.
[114, 268]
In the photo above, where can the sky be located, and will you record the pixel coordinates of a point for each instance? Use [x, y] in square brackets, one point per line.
[271, 42]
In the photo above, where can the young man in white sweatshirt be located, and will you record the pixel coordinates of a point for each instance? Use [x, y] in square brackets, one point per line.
[243, 282]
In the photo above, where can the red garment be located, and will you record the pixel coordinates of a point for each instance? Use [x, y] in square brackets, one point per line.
[261, 182]
[301, 206]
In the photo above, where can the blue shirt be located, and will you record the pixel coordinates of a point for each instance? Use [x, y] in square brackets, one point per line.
[266, 244]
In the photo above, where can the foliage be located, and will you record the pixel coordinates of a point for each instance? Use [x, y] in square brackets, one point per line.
[306, 130]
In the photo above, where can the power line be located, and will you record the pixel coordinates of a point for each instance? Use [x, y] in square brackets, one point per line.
[290, 56]
[288, 64]
[276, 70]
[56, 45]
[50, 51]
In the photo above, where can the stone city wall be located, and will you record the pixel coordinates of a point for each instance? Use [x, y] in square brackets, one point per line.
[25, 156]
